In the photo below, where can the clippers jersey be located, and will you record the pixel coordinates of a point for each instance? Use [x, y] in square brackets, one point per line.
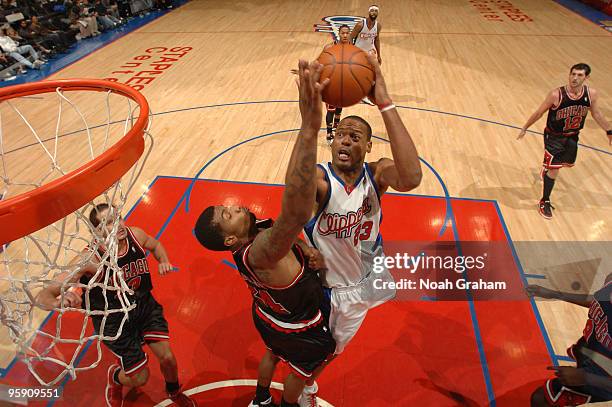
[596, 333]
[346, 228]
[365, 38]
[292, 308]
[133, 263]
[568, 117]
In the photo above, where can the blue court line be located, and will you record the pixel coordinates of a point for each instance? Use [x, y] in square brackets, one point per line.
[563, 358]
[295, 101]
[67, 377]
[463, 116]
[5, 371]
[475, 324]
[89, 342]
[540, 276]
[534, 306]
[269, 184]
[449, 209]
[586, 11]
[85, 47]
[229, 263]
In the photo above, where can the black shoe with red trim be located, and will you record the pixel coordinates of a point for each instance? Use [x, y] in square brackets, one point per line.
[114, 390]
[182, 400]
[546, 209]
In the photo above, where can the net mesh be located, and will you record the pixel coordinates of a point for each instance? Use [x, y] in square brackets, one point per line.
[42, 138]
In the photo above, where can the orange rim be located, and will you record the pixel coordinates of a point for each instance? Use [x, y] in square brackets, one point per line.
[33, 210]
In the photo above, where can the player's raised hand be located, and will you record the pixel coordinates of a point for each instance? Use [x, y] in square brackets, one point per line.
[164, 268]
[521, 134]
[569, 376]
[379, 94]
[310, 88]
[71, 299]
[316, 261]
[542, 292]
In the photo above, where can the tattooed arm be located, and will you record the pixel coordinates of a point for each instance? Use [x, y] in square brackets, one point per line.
[271, 245]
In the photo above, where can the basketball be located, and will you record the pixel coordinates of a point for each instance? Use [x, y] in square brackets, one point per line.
[350, 75]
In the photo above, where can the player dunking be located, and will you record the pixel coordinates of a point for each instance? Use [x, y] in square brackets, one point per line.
[591, 380]
[346, 227]
[287, 292]
[145, 323]
[567, 108]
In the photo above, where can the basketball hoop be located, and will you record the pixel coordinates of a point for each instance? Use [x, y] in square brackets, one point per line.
[48, 187]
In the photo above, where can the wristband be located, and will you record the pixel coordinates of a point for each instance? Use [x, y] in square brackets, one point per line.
[609, 132]
[385, 108]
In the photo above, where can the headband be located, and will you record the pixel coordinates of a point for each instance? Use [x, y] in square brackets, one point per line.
[373, 8]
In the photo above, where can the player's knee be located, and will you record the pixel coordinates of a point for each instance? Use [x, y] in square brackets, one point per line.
[140, 379]
[167, 359]
[538, 399]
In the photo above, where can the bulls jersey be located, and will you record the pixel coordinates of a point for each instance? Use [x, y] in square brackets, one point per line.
[365, 38]
[133, 263]
[569, 115]
[597, 330]
[346, 228]
[291, 308]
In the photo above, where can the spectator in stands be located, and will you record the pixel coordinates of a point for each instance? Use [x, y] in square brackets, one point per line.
[12, 48]
[62, 40]
[104, 19]
[29, 37]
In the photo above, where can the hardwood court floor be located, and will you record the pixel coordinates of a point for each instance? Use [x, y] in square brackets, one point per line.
[462, 82]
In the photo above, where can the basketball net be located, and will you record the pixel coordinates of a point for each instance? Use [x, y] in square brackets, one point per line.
[40, 143]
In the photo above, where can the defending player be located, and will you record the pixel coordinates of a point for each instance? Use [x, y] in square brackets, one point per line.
[567, 107]
[591, 380]
[146, 322]
[287, 292]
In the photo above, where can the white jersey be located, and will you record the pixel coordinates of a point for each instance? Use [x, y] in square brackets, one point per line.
[346, 228]
[365, 38]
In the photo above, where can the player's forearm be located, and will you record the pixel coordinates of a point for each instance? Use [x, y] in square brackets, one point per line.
[300, 181]
[532, 119]
[47, 298]
[599, 381]
[584, 300]
[404, 151]
[160, 253]
[601, 120]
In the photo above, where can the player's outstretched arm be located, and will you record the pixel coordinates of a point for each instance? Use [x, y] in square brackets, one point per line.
[155, 247]
[551, 99]
[584, 300]
[598, 115]
[403, 173]
[271, 245]
[50, 297]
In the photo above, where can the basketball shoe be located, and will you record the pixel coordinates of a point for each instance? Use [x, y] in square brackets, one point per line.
[309, 396]
[181, 399]
[114, 390]
[545, 209]
[266, 403]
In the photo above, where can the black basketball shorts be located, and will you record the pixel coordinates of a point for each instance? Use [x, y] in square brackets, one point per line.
[559, 151]
[146, 323]
[304, 350]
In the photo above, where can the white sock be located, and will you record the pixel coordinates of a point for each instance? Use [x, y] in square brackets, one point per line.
[311, 389]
